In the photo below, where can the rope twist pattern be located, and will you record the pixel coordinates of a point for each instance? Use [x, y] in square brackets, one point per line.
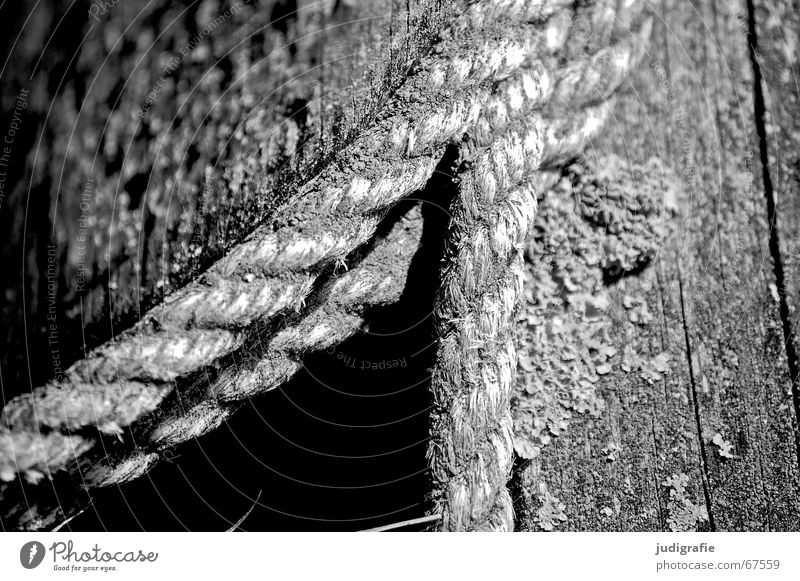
[494, 77]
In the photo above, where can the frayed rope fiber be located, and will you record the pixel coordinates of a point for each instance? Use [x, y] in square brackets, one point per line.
[471, 448]
[493, 77]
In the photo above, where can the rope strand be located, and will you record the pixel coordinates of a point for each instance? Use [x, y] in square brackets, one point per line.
[501, 84]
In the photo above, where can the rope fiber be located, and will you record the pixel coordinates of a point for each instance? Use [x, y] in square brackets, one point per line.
[497, 84]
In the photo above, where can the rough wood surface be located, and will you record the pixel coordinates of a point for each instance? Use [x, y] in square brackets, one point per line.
[468, 70]
[699, 429]
[156, 135]
[176, 129]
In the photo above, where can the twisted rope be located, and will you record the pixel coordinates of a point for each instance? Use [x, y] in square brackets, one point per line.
[337, 311]
[472, 443]
[273, 271]
[481, 78]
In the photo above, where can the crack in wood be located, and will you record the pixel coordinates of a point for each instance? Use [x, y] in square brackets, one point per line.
[695, 405]
[759, 113]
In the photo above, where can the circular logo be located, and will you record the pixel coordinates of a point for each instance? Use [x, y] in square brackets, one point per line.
[31, 554]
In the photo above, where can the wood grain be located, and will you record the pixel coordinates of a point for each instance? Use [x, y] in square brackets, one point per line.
[712, 291]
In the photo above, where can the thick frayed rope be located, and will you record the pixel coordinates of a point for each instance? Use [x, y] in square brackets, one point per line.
[471, 448]
[337, 314]
[379, 279]
[472, 445]
[273, 271]
[219, 318]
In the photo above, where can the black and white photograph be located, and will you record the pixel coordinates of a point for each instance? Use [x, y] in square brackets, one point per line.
[410, 266]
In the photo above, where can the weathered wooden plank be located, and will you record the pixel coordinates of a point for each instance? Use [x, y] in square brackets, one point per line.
[726, 388]
[774, 46]
[738, 332]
